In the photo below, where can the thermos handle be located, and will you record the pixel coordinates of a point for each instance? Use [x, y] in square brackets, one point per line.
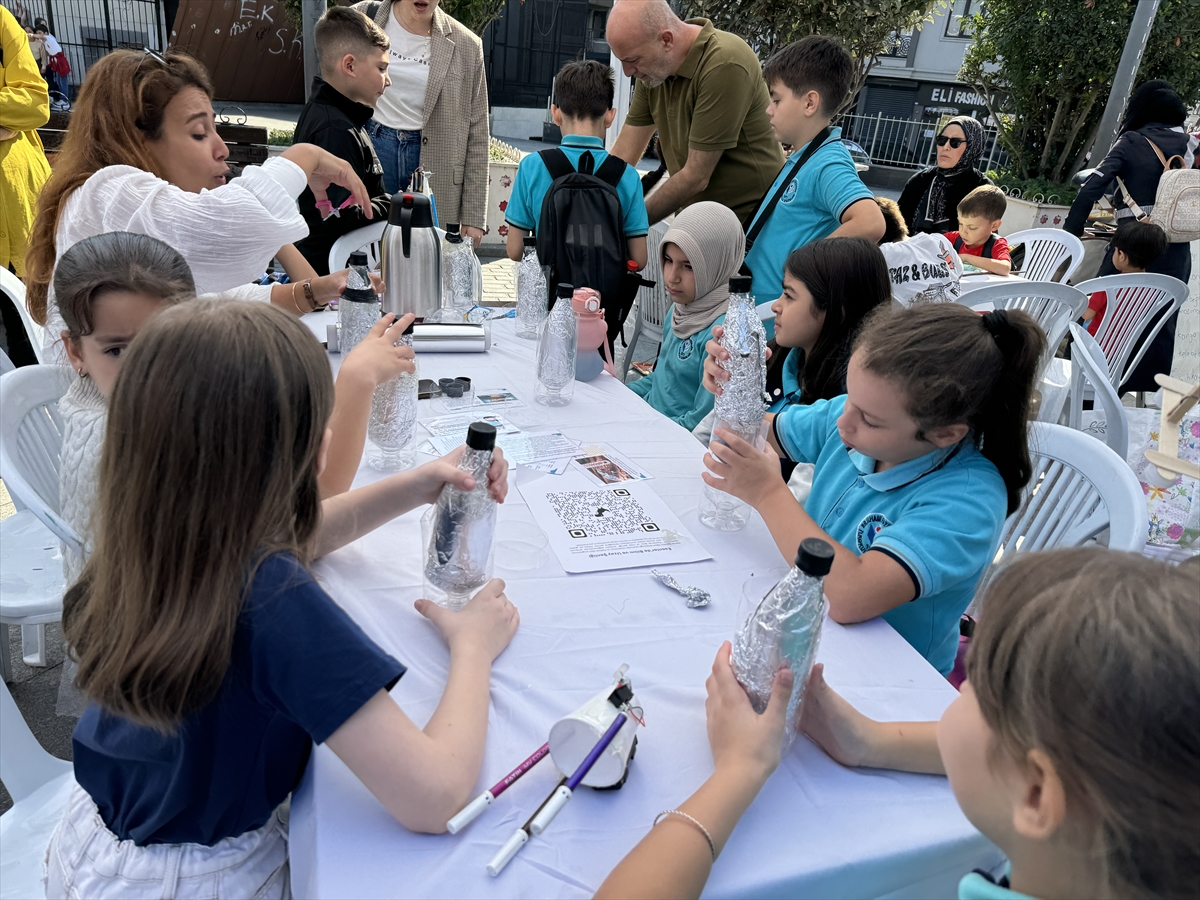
[406, 226]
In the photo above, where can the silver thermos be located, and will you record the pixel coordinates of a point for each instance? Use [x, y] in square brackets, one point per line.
[411, 258]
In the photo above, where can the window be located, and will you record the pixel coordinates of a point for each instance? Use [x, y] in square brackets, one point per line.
[956, 27]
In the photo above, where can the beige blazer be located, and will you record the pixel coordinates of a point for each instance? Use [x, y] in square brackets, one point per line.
[454, 132]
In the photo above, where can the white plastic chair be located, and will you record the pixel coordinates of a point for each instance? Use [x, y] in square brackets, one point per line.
[651, 302]
[1046, 249]
[1089, 370]
[12, 286]
[31, 585]
[40, 785]
[1079, 488]
[1054, 306]
[1133, 302]
[365, 238]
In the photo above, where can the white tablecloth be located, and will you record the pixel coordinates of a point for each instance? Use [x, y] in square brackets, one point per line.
[817, 829]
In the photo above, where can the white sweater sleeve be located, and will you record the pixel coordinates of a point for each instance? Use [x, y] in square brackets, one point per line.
[227, 235]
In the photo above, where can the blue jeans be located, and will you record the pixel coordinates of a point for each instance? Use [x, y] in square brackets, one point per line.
[399, 153]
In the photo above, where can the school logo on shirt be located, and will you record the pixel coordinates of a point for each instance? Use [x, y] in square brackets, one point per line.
[685, 348]
[869, 528]
[789, 193]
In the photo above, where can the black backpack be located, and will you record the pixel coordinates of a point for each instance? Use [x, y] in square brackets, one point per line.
[581, 234]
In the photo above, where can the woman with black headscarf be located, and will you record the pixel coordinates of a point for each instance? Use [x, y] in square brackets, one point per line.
[929, 202]
[1155, 116]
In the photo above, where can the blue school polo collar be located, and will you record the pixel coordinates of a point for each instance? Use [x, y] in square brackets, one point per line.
[905, 473]
[587, 141]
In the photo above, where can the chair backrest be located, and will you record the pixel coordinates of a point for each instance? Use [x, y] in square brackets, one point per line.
[653, 302]
[1079, 488]
[1133, 302]
[6, 364]
[1089, 369]
[1046, 249]
[12, 286]
[365, 238]
[1054, 306]
[31, 442]
[24, 765]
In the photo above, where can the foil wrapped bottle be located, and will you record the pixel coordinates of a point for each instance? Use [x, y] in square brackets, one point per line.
[742, 404]
[393, 416]
[556, 351]
[785, 629]
[460, 528]
[531, 292]
[462, 275]
[358, 309]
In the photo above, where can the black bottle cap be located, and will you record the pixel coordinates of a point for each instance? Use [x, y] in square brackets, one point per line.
[564, 290]
[442, 382]
[464, 381]
[453, 390]
[740, 284]
[452, 235]
[452, 228]
[815, 557]
[529, 241]
[481, 436]
[357, 258]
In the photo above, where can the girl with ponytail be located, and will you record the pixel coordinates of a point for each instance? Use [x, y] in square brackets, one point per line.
[917, 466]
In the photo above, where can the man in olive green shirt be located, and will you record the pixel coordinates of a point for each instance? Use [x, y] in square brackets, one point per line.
[703, 91]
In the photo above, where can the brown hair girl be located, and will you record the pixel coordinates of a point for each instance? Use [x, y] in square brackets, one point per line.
[956, 366]
[152, 618]
[120, 106]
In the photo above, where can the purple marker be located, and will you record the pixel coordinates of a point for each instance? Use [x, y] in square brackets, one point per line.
[472, 810]
[563, 793]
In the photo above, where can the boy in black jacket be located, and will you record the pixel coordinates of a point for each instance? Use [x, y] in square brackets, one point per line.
[353, 53]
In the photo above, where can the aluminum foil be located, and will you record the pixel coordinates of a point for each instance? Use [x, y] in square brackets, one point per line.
[742, 402]
[697, 598]
[462, 530]
[356, 319]
[394, 409]
[557, 347]
[784, 628]
[531, 295]
[458, 267]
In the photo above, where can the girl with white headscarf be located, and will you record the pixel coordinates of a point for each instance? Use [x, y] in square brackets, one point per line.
[701, 251]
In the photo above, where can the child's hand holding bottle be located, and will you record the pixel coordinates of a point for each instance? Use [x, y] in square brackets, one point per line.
[482, 629]
[377, 359]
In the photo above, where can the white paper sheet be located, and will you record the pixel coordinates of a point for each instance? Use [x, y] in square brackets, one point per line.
[605, 466]
[458, 424]
[519, 447]
[596, 529]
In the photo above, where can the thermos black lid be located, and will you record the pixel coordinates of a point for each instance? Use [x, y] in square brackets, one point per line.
[564, 289]
[357, 258]
[815, 557]
[422, 212]
[740, 284]
[481, 436]
[529, 241]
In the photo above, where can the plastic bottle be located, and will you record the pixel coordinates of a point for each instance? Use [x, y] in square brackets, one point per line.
[742, 404]
[393, 415]
[462, 274]
[531, 292]
[461, 527]
[785, 629]
[556, 351]
[358, 309]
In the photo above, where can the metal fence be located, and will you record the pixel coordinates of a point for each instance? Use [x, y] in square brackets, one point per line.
[909, 143]
[89, 29]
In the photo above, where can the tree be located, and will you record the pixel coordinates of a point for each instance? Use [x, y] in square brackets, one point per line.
[867, 27]
[1045, 71]
[475, 14]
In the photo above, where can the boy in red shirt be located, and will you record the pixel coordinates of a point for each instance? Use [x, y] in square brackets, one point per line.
[1136, 247]
[979, 215]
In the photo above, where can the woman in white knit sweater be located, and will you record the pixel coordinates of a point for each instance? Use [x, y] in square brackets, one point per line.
[142, 155]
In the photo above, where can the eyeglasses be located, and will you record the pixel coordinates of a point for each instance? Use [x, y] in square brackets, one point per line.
[954, 143]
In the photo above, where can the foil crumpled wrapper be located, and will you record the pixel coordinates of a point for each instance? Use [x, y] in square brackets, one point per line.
[784, 629]
[742, 404]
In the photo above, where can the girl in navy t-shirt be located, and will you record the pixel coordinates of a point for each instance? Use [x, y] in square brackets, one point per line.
[212, 658]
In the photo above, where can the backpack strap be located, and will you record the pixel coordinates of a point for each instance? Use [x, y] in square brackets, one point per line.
[612, 170]
[813, 146]
[1138, 213]
[958, 243]
[987, 247]
[557, 163]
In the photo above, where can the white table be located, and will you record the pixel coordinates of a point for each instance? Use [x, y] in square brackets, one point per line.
[816, 830]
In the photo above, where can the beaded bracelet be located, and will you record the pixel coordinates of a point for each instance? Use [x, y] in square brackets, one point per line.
[712, 848]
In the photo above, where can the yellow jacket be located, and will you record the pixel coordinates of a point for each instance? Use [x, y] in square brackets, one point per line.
[24, 107]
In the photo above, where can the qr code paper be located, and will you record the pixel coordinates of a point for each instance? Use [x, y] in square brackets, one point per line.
[589, 514]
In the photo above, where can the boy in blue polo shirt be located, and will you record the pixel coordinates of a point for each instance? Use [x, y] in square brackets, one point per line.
[823, 196]
[917, 466]
[583, 93]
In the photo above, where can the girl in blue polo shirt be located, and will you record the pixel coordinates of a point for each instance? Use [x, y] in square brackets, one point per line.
[700, 252]
[212, 658]
[917, 466]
